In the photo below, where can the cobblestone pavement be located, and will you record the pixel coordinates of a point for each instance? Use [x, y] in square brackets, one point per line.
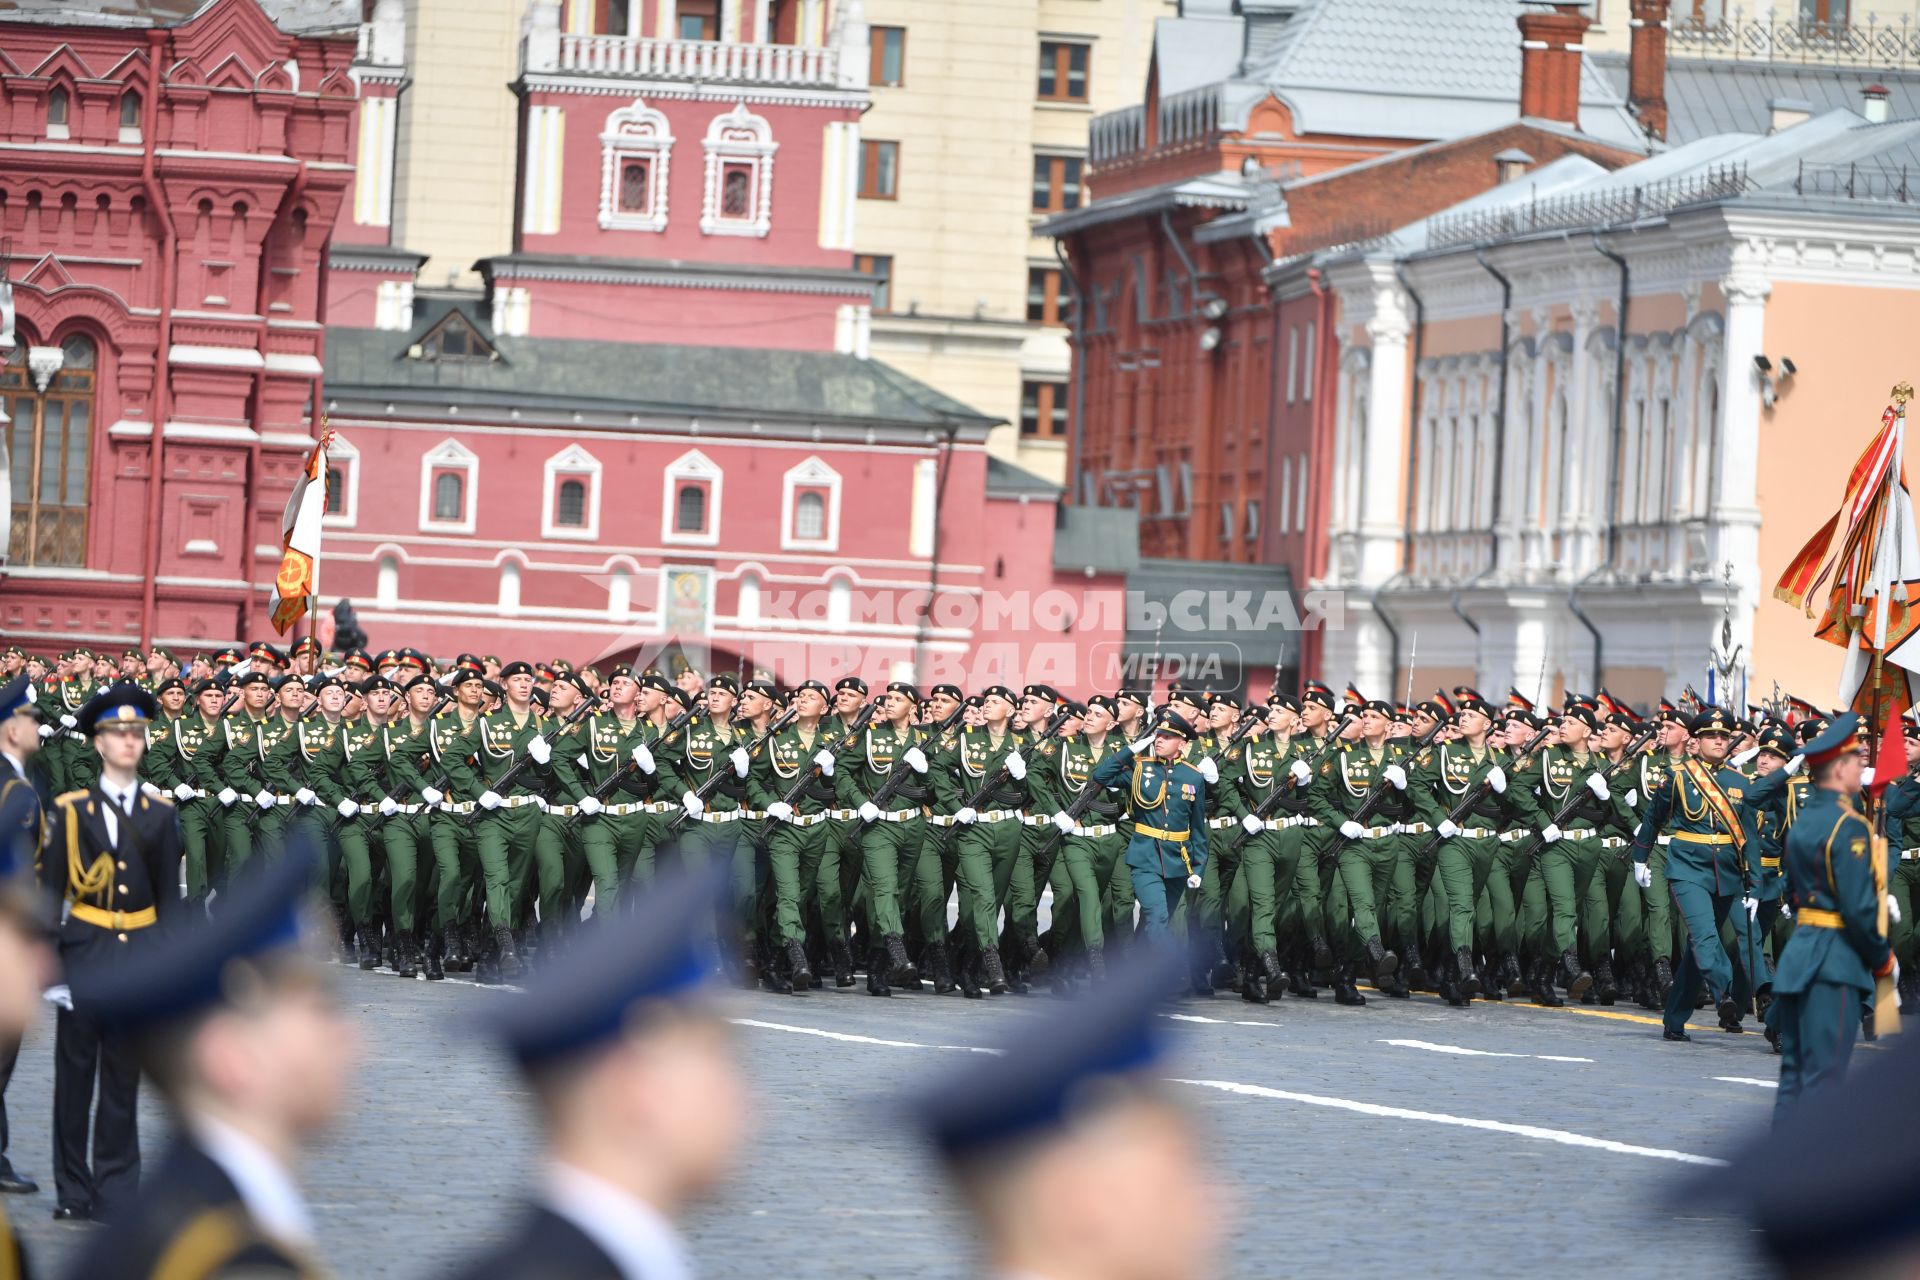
[1353, 1159]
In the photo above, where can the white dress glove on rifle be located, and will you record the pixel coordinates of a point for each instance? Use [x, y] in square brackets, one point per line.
[1633, 797]
[915, 758]
[1598, 785]
[741, 762]
[1141, 745]
[1550, 834]
[69, 722]
[1352, 830]
[693, 804]
[1394, 774]
[1643, 875]
[869, 811]
[1447, 829]
[1064, 822]
[227, 796]
[432, 795]
[489, 800]
[537, 748]
[1193, 882]
[1302, 774]
[183, 792]
[1252, 825]
[1866, 776]
[1793, 765]
[780, 811]
[347, 808]
[965, 817]
[46, 731]
[642, 758]
[591, 805]
[388, 806]
[265, 798]
[1208, 770]
[305, 796]
[1497, 779]
[1752, 907]
[823, 760]
[1016, 766]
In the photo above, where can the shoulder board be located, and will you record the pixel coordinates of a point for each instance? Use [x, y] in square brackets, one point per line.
[1425, 757]
[71, 797]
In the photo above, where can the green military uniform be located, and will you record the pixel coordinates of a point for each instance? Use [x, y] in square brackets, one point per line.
[1650, 774]
[1090, 848]
[797, 844]
[240, 761]
[1212, 756]
[1370, 862]
[1562, 906]
[1837, 948]
[393, 767]
[1278, 882]
[68, 757]
[701, 753]
[449, 792]
[611, 839]
[896, 862]
[358, 755]
[1466, 860]
[1902, 800]
[173, 763]
[504, 834]
[986, 840]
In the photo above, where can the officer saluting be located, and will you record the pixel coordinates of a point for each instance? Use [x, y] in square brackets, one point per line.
[113, 856]
[1168, 852]
[643, 1103]
[1837, 948]
[231, 1018]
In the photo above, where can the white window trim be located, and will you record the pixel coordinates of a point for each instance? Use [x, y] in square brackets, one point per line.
[739, 136]
[811, 474]
[691, 465]
[571, 463]
[448, 455]
[636, 132]
[348, 457]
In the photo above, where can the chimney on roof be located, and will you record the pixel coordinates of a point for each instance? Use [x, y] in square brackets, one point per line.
[1511, 165]
[1874, 103]
[1647, 66]
[1784, 113]
[1550, 36]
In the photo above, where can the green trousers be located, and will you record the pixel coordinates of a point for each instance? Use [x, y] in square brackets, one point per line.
[248, 827]
[358, 844]
[1817, 1029]
[1659, 902]
[610, 844]
[1904, 885]
[400, 834]
[1216, 879]
[1567, 868]
[1366, 872]
[202, 832]
[1463, 866]
[1119, 900]
[793, 860]
[1413, 874]
[1252, 899]
[456, 858]
[1080, 873]
[984, 854]
[1022, 894]
[556, 861]
[890, 851]
[504, 840]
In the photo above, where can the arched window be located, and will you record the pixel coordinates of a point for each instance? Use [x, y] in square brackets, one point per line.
[130, 110]
[810, 516]
[59, 108]
[449, 497]
[636, 147]
[736, 192]
[690, 509]
[49, 439]
[739, 178]
[572, 509]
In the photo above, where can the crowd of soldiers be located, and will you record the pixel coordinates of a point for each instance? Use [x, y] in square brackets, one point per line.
[474, 809]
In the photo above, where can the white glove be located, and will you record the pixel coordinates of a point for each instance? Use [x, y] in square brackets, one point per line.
[591, 805]
[1598, 785]
[537, 748]
[183, 792]
[1550, 834]
[642, 758]
[1208, 770]
[780, 811]
[46, 731]
[1064, 821]
[1866, 776]
[1643, 875]
[305, 796]
[915, 758]
[869, 812]
[148, 789]
[227, 796]
[823, 761]
[60, 996]
[489, 800]
[1302, 775]
[965, 816]
[347, 808]
[693, 804]
[1893, 909]
[1396, 775]
[1740, 761]
[265, 798]
[1016, 766]
[1351, 829]
[1447, 829]
[741, 762]
[1252, 825]
[1137, 747]
[1633, 796]
[1497, 779]
[1193, 882]
[69, 722]
[432, 795]
[388, 806]
[1786, 909]
[1793, 765]
[1752, 906]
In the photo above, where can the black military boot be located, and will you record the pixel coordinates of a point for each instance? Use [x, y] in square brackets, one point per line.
[369, 949]
[1606, 989]
[1414, 969]
[1662, 978]
[877, 966]
[842, 963]
[1384, 962]
[1730, 1015]
[1096, 963]
[1576, 975]
[992, 974]
[966, 974]
[1267, 972]
[435, 970]
[1223, 971]
[1466, 978]
[894, 952]
[1512, 980]
[935, 960]
[1322, 954]
[799, 972]
[510, 966]
[406, 963]
[1344, 990]
[1300, 983]
[1541, 986]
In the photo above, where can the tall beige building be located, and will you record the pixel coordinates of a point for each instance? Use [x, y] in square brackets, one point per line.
[984, 108]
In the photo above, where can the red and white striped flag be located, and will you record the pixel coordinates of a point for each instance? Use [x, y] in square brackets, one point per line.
[299, 576]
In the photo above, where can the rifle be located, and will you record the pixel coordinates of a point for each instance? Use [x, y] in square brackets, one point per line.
[1377, 794]
[1266, 807]
[1089, 792]
[803, 777]
[1628, 758]
[719, 775]
[1002, 774]
[668, 732]
[587, 704]
[898, 776]
[387, 764]
[1478, 792]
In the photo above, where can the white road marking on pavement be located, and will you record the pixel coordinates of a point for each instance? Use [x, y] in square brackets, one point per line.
[1431, 1047]
[1255, 1024]
[1764, 1084]
[1465, 1122]
[1194, 1017]
[853, 1039]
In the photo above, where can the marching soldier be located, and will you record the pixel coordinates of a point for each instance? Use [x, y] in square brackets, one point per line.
[1902, 800]
[610, 834]
[1621, 899]
[1669, 753]
[1091, 842]
[448, 792]
[1470, 765]
[356, 754]
[507, 824]
[1167, 801]
[406, 745]
[979, 784]
[113, 856]
[892, 840]
[799, 761]
[229, 761]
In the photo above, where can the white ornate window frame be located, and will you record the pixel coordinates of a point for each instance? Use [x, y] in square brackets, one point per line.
[813, 474]
[635, 132]
[739, 137]
[449, 455]
[691, 465]
[571, 463]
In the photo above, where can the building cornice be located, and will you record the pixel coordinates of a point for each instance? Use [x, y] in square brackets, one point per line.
[678, 275]
[680, 90]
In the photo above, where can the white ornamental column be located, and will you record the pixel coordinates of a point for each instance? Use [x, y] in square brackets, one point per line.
[1735, 467]
[1383, 440]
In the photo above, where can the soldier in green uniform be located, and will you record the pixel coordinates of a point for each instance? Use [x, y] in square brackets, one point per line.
[231, 763]
[1776, 792]
[1706, 869]
[980, 780]
[449, 795]
[1216, 755]
[1837, 950]
[797, 762]
[1266, 776]
[1621, 900]
[67, 757]
[360, 755]
[1038, 724]
[174, 739]
[610, 832]
[1669, 752]
[1469, 765]
[711, 745]
[755, 713]
[405, 744]
[892, 837]
[559, 866]
[1090, 844]
[1167, 801]
[507, 823]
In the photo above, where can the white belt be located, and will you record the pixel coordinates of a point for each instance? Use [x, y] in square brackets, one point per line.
[998, 815]
[1511, 837]
[1221, 824]
[1379, 833]
[452, 806]
[518, 802]
[1477, 833]
[843, 814]
[748, 814]
[809, 819]
[1909, 855]
[1613, 842]
[721, 815]
[1106, 829]
[1036, 820]
[1664, 839]
[900, 815]
[1414, 829]
[561, 810]
[1587, 834]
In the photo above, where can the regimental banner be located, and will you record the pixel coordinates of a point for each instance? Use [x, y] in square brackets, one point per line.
[299, 574]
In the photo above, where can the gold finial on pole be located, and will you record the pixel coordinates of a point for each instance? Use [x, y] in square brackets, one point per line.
[1902, 392]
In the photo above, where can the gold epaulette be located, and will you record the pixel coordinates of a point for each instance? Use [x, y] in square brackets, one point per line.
[69, 797]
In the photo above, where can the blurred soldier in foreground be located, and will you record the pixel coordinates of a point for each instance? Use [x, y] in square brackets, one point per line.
[26, 958]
